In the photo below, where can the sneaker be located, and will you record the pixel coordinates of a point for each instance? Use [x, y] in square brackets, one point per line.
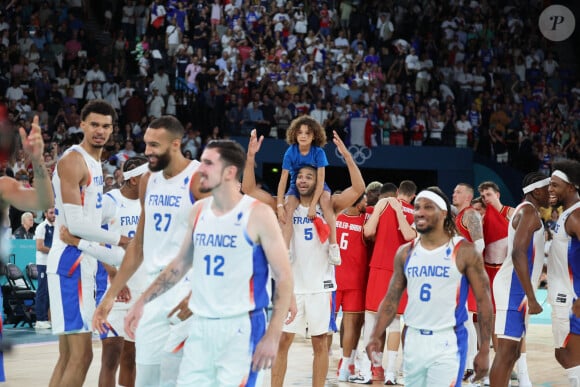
[334, 254]
[390, 379]
[378, 373]
[468, 375]
[360, 378]
[344, 374]
[524, 380]
[43, 325]
[485, 381]
[401, 378]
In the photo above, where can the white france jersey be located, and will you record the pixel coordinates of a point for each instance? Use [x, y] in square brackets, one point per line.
[168, 204]
[437, 290]
[561, 289]
[310, 267]
[92, 205]
[230, 271]
[121, 214]
[510, 293]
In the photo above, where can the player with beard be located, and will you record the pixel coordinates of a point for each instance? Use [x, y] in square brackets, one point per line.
[232, 240]
[564, 268]
[167, 194]
[436, 268]
[78, 188]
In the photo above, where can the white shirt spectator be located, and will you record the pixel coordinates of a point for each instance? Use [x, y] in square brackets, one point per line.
[95, 74]
[550, 66]
[412, 61]
[40, 233]
[14, 93]
[463, 128]
[161, 82]
[156, 105]
[478, 82]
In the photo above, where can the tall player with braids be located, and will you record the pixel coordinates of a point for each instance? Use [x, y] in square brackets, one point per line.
[436, 268]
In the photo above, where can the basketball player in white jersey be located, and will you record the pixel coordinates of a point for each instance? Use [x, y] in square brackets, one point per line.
[436, 269]
[518, 278]
[313, 275]
[167, 194]
[78, 189]
[564, 268]
[230, 240]
[121, 209]
[13, 193]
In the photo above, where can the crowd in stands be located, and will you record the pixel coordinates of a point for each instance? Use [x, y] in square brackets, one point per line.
[457, 73]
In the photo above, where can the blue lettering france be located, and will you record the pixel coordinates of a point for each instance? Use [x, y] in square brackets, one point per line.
[164, 200]
[216, 240]
[428, 271]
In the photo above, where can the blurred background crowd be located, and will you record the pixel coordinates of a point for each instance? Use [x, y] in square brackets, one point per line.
[417, 72]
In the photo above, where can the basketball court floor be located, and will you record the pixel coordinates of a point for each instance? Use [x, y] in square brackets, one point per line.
[34, 356]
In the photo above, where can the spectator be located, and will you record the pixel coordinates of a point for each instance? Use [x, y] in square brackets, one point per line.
[26, 229]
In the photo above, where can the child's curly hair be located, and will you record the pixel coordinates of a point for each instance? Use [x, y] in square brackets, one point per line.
[319, 135]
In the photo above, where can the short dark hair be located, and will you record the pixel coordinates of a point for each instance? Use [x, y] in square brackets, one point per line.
[488, 184]
[387, 188]
[98, 106]
[170, 124]
[407, 188]
[134, 162]
[231, 153]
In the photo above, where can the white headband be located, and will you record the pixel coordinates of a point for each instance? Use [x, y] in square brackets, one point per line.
[561, 175]
[141, 169]
[538, 184]
[438, 200]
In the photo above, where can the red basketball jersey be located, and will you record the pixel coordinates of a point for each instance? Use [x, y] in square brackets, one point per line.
[388, 236]
[353, 271]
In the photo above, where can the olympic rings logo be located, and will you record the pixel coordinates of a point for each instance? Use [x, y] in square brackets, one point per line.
[360, 154]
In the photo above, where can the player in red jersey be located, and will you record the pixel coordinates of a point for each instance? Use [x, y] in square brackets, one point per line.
[390, 226]
[351, 279]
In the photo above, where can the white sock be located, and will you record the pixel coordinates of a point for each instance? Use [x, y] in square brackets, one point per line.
[471, 341]
[392, 361]
[522, 364]
[345, 363]
[352, 356]
[574, 376]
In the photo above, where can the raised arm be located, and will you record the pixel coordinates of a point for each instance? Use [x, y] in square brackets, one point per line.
[41, 196]
[526, 222]
[249, 186]
[357, 188]
[370, 226]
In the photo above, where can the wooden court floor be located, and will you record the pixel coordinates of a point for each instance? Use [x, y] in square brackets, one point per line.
[31, 364]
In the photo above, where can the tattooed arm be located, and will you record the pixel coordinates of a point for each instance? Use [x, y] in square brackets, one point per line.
[472, 222]
[470, 263]
[167, 278]
[388, 308]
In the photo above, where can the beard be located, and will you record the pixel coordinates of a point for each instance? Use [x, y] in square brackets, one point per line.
[163, 161]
